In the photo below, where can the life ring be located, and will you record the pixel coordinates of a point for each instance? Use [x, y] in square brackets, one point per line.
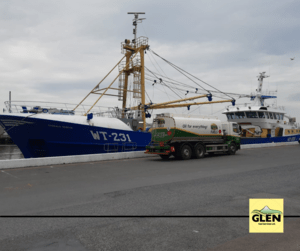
[45, 110]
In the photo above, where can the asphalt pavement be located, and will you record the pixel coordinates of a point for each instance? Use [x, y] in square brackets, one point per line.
[136, 189]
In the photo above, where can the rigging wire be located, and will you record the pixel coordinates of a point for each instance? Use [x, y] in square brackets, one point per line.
[165, 76]
[178, 68]
[183, 90]
[160, 89]
[178, 83]
[150, 101]
[158, 78]
[158, 65]
[192, 87]
[157, 70]
[161, 81]
[170, 83]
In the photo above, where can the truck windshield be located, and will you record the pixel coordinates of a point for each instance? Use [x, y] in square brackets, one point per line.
[158, 123]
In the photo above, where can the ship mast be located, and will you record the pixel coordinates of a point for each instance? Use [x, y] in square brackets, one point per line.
[260, 81]
[259, 97]
[134, 51]
[136, 67]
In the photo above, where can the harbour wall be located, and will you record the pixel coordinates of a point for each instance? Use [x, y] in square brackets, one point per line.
[17, 163]
[269, 145]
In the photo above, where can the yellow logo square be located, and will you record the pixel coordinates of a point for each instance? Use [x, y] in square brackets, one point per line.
[266, 215]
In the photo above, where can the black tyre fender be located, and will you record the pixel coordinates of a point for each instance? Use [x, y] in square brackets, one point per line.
[164, 156]
[199, 151]
[232, 148]
[185, 152]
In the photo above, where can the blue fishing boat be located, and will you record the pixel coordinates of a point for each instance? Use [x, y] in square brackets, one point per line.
[48, 135]
[43, 129]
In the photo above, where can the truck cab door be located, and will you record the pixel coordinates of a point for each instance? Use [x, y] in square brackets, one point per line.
[225, 129]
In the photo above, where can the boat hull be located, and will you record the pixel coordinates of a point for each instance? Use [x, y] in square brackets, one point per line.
[289, 138]
[38, 137]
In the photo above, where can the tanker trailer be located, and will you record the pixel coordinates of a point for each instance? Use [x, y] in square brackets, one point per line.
[186, 136]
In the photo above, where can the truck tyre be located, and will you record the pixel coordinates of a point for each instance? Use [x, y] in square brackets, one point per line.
[199, 151]
[232, 148]
[164, 156]
[185, 152]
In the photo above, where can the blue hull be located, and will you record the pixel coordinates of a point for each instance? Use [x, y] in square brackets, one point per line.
[290, 138]
[48, 138]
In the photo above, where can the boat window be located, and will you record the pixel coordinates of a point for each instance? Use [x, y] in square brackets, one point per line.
[251, 115]
[281, 116]
[267, 115]
[261, 115]
[240, 115]
[271, 115]
[235, 128]
[275, 116]
[230, 115]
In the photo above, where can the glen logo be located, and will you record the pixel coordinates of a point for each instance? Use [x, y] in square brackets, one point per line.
[266, 215]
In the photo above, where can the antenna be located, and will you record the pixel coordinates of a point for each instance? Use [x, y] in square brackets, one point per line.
[9, 101]
[136, 20]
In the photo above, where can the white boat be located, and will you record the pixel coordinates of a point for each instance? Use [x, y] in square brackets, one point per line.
[263, 123]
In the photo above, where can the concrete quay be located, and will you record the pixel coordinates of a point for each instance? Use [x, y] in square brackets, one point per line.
[123, 194]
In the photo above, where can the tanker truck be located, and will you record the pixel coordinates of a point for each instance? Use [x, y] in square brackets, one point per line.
[187, 136]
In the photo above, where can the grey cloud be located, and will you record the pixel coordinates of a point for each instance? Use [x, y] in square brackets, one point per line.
[51, 47]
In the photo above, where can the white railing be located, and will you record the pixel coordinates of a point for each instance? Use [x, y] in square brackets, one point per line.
[266, 92]
[139, 41]
[67, 109]
[252, 104]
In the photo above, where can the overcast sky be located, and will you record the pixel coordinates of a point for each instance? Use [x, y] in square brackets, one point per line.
[59, 50]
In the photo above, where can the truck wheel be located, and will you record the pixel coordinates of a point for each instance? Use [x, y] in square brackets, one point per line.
[185, 152]
[164, 156]
[199, 151]
[232, 149]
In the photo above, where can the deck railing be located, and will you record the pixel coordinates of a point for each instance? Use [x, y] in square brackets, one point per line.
[251, 104]
[67, 109]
